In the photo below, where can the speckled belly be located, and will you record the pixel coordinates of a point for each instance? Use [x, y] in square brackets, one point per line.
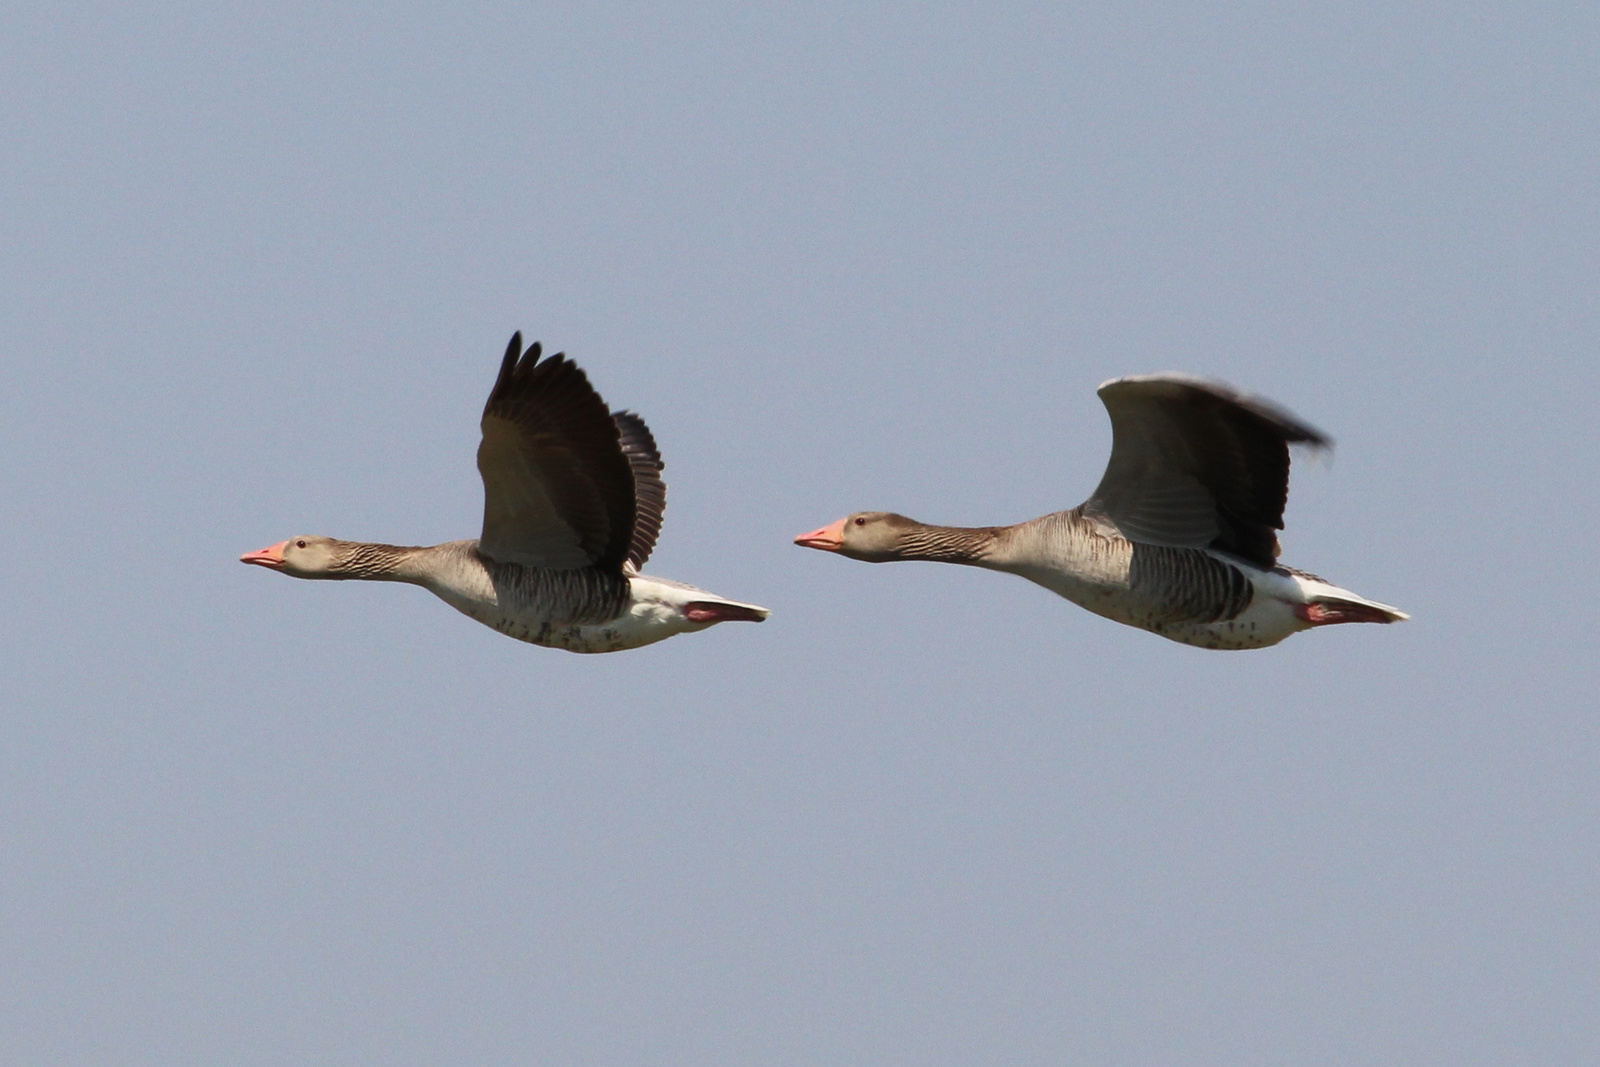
[1265, 622]
[641, 624]
[1184, 595]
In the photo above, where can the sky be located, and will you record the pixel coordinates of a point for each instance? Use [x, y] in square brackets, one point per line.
[257, 268]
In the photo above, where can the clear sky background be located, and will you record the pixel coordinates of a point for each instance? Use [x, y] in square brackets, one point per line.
[257, 268]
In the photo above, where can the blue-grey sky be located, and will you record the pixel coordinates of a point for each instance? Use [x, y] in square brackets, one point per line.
[259, 264]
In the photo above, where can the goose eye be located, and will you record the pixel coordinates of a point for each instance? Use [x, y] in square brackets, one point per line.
[861, 522]
[299, 544]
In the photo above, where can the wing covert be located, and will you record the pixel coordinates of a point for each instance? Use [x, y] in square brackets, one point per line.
[1196, 464]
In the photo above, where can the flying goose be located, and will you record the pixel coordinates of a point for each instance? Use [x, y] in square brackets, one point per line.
[1178, 539]
[572, 503]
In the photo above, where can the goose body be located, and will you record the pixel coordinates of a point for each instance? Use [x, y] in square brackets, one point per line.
[573, 500]
[1178, 539]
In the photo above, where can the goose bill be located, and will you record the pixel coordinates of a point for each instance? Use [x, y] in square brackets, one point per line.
[829, 538]
[271, 556]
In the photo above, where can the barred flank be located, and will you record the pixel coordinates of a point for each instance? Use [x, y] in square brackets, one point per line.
[582, 596]
[1188, 584]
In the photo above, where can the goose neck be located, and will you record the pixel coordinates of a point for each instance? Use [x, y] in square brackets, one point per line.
[366, 561]
[948, 544]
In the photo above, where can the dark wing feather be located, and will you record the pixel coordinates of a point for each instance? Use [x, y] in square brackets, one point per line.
[1196, 464]
[649, 491]
[557, 488]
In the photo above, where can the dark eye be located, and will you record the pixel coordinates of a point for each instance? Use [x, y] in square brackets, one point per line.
[299, 544]
[861, 522]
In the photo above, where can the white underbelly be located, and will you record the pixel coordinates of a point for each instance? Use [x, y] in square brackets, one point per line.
[1268, 619]
[1265, 622]
[649, 617]
[642, 624]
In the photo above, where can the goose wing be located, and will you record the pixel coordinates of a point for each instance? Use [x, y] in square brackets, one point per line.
[558, 490]
[1197, 464]
[649, 491]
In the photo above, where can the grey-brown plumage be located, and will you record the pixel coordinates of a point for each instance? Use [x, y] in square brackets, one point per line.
[572, 506]
[1180, 536]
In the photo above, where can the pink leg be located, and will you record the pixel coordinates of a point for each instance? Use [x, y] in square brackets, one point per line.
[1323, 613]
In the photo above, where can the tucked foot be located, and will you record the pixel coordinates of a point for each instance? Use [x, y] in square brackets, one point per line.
[1329, 612]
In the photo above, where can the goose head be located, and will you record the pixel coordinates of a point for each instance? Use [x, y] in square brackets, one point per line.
[302, 557]
[873, 536]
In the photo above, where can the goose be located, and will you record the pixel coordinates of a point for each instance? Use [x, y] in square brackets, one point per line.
[1179, 538]
[572, 504]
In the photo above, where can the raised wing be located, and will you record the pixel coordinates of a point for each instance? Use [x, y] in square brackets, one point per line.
[649, 491]
[558, 490]
[1196, 464]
